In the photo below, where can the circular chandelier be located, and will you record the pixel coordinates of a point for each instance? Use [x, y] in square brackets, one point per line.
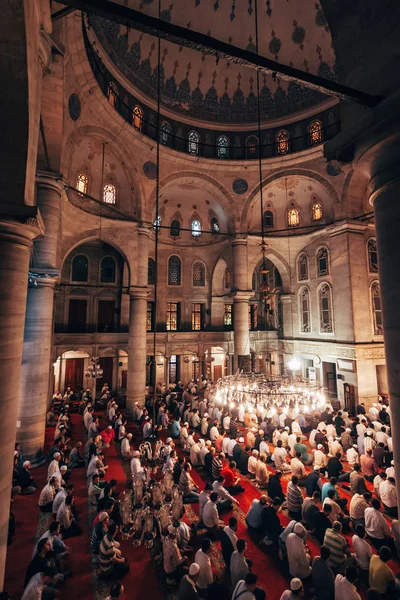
[258, 393]
[94, 371]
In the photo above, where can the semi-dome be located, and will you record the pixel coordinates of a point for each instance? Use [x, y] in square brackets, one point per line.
[198, 86]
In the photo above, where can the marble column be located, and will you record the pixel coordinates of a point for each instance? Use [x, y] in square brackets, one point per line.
[137, 351]
[36, 358]
[16, 240]
[241, 297]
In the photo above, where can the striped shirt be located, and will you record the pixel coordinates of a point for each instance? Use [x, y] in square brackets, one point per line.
[338, 546]
[294, 497]
[107, 554]
[216, 467]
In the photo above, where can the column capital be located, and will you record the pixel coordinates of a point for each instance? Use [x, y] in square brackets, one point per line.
[138, 293]
[50, 179]
[241, 296]
[43, 278]
[240, 240]
[144, 229]
[21, 224]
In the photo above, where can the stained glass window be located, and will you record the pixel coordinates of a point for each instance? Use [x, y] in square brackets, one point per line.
[80, 268]
[151, 272]
[82, 183]
[302, 267]
[199, 274]
[252, 147]
[175, 228]
[315, 132]
[372, 256]
[196, 228]
[197, 316]
[305, 314]
[325, 309]
[322, 262]
[194, 142]
[293, 217]
[222, 147]
[282, 142]
[174, 270]
[214, 225]
[228, 316]
[172, 316]
[137, 117]
[107, 270]
[317, 211]
[109, 193]
[268, 218]
[165, 133]
[376, 307]
[149, 316]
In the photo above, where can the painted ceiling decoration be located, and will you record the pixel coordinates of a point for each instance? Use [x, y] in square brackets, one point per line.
[292, 32]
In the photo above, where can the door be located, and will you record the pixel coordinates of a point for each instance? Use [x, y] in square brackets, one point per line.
[217, 372]
[106, 316]
[329, 370]
[106, 363]
[74, 373]
[124, 379]
[77, 316]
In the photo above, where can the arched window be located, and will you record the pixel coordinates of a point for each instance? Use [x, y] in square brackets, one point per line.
[214, 225]
[196, 228]
[252, 147]
[282, 142]
[293, 217]
[107, 270]
[151, 272]
[222, 147]
[157, 223]
[227, 279]
[315, 133]
[112, 94]
[109, 193]
[165, 133]
[174, 270]
[268, 218]
[372, 256]
[82, 183]
[322, 262]
[80, 268]
[175, 228]
[304, 310]
[194, 143]
[376, 308]
[302, 267]
[317, 211]
[325, 309]
[199, 274]
[137, 117]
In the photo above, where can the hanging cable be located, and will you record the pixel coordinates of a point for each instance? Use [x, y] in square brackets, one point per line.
[157, 229]
[263, 244]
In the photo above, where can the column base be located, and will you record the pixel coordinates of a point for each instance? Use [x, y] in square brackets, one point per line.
[37, 460]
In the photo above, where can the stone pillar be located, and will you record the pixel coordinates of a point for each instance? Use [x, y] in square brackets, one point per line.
[16, 240]
[137, 342]
[36, 358]
[241, 297]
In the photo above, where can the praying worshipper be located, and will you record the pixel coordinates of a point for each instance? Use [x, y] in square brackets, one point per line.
[388, 495]
[57, 545]
[320, 459]
[69, 526]
[108, 436]
[204, 497]
[76, 460]
[54, 465]
[294, 499]
[254, 514]
[381, 576]
[38, 584]
[313, 482]
[298, 469]
[187, 587]
[172, 557]
[239, 565]
[176, 428]
[211, 518]
[225, 499]
[126, 450]
[322, 522]
[60, 497]
[358, 504]
[311, 506]
[202, 558]
[357, 481]
[39, 562]
[322, 575]
[271, 525]
[245, 588]
[352, 456]
[345, 584]
[136, 467]
[274, 486]
[187, 487]
[376, 526]
[335, 466]
[47, 496]
[112, 564]
[252, 464]
[25, 481]
[279, 458]
[298, 556]
[362, 549]
[232, 482]
[229, 540]
[368, 466]
[338, 547]
[306, 459]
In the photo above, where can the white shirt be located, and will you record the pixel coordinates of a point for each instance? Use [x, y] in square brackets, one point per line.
[363, 552]
[34, 589]
[352, 457]
[320, 459]
[241, 592]
[226, 423]
[225, 444]
[390, 472]
[299, 563]
[231, 445]
[205, 575]
[264, 448]
[388, 494]
[125, 446]
[210, 515]
[58, 500]
[222, 492]
[203, 499]
[375, 524]
[279, 457]
[53, 467]
[46, 495]
[136, 467]
[214, 433]
[231, 535]
[344, 590]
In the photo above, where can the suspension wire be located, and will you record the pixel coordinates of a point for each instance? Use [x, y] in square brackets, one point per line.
[157, 229]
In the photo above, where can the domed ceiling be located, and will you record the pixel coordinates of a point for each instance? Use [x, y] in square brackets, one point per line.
[292, 32]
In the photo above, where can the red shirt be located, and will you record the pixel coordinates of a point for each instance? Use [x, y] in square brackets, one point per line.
[107, 435]
[229, 476]
[218, 443]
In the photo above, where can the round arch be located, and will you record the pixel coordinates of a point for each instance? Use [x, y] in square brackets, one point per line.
[279, 262]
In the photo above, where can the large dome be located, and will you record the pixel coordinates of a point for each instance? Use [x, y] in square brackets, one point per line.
[193, 84]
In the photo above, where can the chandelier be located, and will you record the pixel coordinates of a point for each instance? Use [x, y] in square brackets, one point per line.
[94, 371]
[256, 393]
